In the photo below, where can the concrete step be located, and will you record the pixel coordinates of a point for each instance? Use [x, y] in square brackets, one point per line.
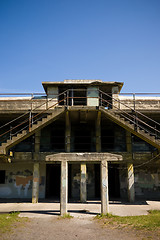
[141, 133]
[39, 123]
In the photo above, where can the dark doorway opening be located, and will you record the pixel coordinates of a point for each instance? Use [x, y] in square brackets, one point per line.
[97, 181]
[69, 182]
[82, 138]
[113, 181]
[53, 174]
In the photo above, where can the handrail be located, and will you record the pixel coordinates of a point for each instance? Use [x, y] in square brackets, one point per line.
[48, 100]
[134, 119]
[130, 108]
[66, 96]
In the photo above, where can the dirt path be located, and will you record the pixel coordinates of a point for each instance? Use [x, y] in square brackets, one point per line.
[55, 228]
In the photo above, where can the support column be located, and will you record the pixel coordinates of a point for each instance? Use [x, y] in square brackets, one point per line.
[36, 172]
[104, 187]
[83, 186]
[131, 190]
[64, 188]
[128, 142]
[98, 132]
[35, 186]
[68, 133]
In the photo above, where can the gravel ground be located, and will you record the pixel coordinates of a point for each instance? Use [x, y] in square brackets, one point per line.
[71, 229]
[44, 222]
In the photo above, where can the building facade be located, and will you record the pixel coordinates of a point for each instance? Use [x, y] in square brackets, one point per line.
[80, 140]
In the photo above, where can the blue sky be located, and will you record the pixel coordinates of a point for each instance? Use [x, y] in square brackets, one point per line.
[53, 40]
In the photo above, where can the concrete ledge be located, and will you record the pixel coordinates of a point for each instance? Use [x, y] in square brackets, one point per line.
[80, 157]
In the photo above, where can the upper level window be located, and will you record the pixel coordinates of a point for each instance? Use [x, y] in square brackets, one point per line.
[73, 95]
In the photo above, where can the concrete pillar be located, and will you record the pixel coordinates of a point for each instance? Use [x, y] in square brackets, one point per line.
[131, 190]
[64, 188]
[115, 96]
[104, 187]
[83, 183]
[37, 145]
[128, 142]
[68, 133]
[36, 173]
[98, 132]
[35, 186]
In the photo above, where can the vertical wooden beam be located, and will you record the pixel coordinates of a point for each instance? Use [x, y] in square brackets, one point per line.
[104, 188]
[98, 132]
[68, 133]
[131, 190]
[64, 188]
[83, 183]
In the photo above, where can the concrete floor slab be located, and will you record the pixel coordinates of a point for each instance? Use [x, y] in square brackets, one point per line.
[80, 210]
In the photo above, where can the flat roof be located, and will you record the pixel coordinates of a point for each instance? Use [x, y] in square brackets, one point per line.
[84, 82]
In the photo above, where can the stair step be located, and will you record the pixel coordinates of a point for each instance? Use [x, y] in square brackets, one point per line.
[19, 135]
[3, 144]
[24, 132]
[14, 138]
[44, 120]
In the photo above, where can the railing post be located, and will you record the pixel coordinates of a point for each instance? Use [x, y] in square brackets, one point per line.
[67, 98]
[10, 133]
[155, 132]
[134, 102]
[30, 118]
[101, 99]
[72, 97]
[136, 121]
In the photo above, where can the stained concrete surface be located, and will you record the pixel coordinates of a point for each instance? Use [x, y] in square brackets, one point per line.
[78, 210]
[45, 223]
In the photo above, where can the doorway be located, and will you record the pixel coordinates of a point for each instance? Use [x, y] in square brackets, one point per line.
[53, 175]
[113, 181]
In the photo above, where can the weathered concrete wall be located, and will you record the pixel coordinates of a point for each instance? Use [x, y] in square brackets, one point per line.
[52, 93]
[75, 178]
[92, 96]
[18, 181]
[123, 182]
[147, 183]
[22, 104]
[90, 181]
[140, 103]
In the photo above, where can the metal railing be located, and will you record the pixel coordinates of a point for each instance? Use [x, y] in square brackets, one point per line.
[71, 97]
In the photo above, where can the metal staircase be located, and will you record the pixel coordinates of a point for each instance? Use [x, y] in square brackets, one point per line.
[28, 126]
[133, 121]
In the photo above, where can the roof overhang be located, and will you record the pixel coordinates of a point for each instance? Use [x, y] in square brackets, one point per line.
[95, 82]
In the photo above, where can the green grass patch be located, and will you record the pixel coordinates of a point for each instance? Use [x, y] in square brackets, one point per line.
[148, 222]
[67, 215]
[8, 220]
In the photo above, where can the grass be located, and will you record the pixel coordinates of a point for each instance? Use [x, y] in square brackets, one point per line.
[67, 215]
[148, 222]
[8, 220]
